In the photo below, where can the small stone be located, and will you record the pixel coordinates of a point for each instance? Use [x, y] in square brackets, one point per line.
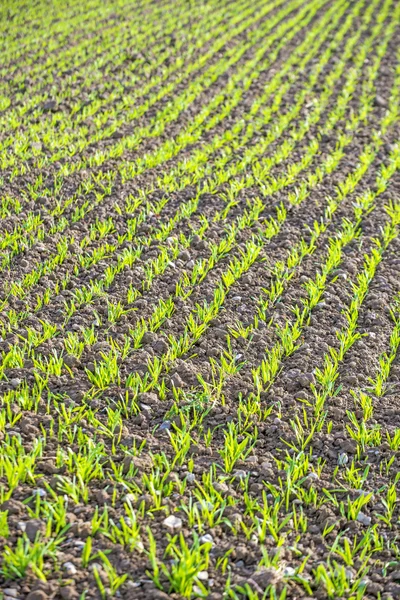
[343, 459]
[341, 274]
[202, 575]
[236, 519]
[221, 487]
[379, 101]
[364, 519]
[289, 571]
[10, 592]
[130, 498]
[70, 568]
[266, 465]
[190, 477]
[207, 538]
[173, 523]
[240, 474]
[15, 382]
[165, 425]
[364, 493]
[133, 585]
[204, 504]
[33, 527]
[148, 398]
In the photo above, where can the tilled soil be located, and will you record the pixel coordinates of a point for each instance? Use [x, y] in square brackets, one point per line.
[200, 300]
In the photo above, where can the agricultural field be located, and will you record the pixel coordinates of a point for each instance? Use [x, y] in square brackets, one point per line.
[200, 299]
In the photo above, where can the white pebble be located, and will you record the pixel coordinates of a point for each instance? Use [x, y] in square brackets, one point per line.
[207, 538]
[70, 568]
[364, 519]
[173, 522]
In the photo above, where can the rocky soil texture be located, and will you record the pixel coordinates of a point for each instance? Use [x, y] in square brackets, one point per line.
[199, 299]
